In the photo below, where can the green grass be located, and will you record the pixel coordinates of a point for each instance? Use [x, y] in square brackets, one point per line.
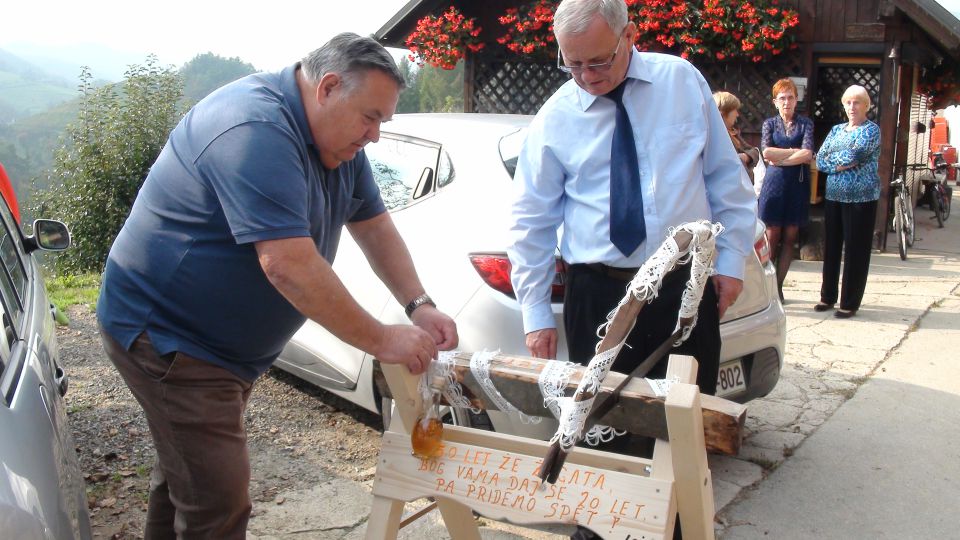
[66, 291]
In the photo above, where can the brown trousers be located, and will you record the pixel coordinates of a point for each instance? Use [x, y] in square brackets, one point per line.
[199, 485]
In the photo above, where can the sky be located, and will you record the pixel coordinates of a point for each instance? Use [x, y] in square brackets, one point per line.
[269, 35]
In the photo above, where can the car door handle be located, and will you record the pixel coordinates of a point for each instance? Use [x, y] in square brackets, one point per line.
[8, 330]
[61, 379]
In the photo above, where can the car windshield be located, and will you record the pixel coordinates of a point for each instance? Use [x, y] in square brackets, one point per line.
[510, 146]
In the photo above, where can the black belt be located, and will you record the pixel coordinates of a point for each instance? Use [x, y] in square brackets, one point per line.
[627, 274]
[622, 274]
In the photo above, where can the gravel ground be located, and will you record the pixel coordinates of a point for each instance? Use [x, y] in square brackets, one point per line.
[299, 435]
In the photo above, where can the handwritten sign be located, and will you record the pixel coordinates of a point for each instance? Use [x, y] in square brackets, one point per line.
[504, 485]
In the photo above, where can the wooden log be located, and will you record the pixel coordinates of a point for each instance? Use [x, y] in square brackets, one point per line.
[638, 411]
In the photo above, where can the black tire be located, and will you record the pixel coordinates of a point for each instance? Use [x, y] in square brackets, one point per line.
[944, 202]
[936, 203]
[468, 418]
[898, 227]
[910, 224]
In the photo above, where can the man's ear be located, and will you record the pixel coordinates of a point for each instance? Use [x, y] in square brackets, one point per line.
[329, 85]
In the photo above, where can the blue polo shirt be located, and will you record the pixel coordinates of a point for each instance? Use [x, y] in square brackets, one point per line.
[241, 167]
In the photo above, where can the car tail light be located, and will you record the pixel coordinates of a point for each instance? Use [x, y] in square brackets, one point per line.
[494, 269]
[763, 249]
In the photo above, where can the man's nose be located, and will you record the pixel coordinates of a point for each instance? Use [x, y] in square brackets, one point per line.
[374, 132]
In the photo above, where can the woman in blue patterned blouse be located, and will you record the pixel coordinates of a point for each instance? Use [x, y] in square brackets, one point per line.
[786, 141]
[849, 156]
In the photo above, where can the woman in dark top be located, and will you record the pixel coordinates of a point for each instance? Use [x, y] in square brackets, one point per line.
[787, 146]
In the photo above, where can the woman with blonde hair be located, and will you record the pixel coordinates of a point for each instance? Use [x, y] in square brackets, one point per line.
[786, 143]
[849, 156]
[729, 107]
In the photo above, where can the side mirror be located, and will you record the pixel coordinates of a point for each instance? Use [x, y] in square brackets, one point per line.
[49, 235]
[425, 184]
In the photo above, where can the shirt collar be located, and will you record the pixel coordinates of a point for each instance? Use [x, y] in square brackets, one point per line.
[293, 100]
[636, 70]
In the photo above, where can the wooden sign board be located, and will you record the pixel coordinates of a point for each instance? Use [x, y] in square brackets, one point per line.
[503, 485]
[618, 497]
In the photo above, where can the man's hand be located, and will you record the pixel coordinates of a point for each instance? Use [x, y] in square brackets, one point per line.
[728, 289]
[543, 343]
[438, 324]
[408, 345]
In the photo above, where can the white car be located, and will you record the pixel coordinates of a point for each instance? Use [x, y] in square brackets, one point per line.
[446, 179]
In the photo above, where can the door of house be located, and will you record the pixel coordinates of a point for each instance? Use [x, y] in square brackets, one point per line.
[834, 75]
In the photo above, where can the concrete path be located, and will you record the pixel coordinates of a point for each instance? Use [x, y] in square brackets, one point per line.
[885, 462]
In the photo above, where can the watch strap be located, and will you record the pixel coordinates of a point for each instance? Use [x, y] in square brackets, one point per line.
[417, 302]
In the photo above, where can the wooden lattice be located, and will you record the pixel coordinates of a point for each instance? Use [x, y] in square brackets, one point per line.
[751, 83]
[507, 85]
[511, 86]
[833, 81]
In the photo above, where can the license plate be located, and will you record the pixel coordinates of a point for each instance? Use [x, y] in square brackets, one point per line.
[731, 379]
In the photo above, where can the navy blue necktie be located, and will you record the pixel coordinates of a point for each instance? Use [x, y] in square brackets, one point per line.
[627, 228]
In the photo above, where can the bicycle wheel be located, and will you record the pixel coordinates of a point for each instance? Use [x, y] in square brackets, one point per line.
[944, 202]
[908, 219]
[898, 227]
[935, 202]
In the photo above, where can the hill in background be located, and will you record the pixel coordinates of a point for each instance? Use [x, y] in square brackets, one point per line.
[27, 89]
[36, 106]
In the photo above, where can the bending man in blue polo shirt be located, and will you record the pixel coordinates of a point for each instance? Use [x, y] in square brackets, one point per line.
[228, 249]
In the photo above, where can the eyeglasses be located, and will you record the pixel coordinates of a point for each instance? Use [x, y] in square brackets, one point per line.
[785, 99]
[577, 70]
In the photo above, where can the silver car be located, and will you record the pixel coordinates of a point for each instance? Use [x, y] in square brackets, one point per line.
[42, 493]
[446, 179]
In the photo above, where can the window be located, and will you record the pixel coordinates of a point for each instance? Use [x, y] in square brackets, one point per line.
[404, 168]
[12, 277]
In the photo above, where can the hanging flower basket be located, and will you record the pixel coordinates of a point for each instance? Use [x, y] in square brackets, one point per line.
[443, 41]
[718, 30]
[529, 29]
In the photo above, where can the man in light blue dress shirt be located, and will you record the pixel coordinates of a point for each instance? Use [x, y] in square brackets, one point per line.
[688, 170]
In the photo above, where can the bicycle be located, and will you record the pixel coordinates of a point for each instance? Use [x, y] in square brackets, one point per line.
[902, 215]
[940, 194]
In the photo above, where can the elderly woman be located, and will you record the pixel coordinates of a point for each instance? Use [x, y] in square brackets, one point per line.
[729, 107]
[849, 157]
[787, 145]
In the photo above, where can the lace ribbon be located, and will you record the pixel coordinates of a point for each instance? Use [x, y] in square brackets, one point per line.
[480, 368]
[553, 380]
[452, 391]
[644, 287]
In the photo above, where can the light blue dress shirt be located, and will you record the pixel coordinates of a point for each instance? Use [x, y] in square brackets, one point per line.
[688, 171]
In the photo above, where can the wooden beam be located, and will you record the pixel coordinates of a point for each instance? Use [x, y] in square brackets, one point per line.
[638, 411]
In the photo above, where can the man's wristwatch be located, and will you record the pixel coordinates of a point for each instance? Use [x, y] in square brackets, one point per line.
[417, 302]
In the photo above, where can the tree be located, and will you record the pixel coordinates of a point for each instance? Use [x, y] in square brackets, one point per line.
[208, 71]
[440, 90]
[409, 98]
[105, 156]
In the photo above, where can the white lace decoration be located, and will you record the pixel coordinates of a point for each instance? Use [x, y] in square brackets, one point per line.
[644, 287]
[480, 368]
[661, 387]
[701, 250]
[452, 391]
[553, 380]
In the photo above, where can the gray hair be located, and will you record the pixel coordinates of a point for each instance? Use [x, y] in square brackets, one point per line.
[858, 92]
[350, 56]
[573, 16]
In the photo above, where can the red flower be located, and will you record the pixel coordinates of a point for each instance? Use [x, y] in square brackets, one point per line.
[442, 41]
